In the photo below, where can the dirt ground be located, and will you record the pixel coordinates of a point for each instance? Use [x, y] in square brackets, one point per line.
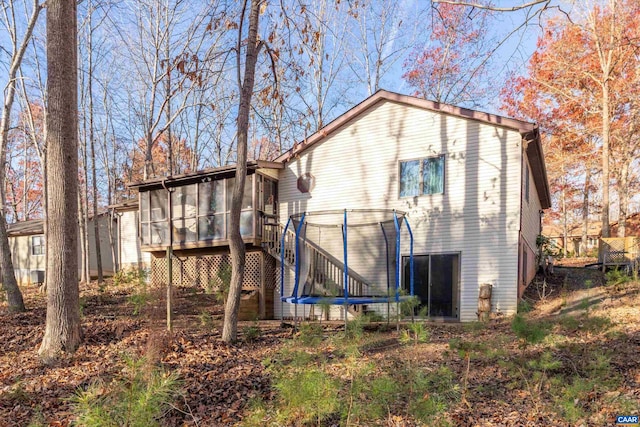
[219, 380]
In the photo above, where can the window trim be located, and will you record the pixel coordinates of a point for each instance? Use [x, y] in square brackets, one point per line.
[421, 177]
[42, 245]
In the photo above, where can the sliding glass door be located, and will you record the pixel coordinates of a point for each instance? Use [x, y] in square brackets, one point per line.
[436, 283]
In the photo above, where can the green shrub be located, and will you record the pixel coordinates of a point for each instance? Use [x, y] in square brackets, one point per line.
[138, 398]
[139, 300]
[130, 276]
[310, 334]
[309, 395]
[251, 333]
[206, 320]
[224, 276]
[524, 306]
[617, 277]
[432, 393]
[372, 398]
[355, 327]
[529, 332]
[415, 333]
[571, 400]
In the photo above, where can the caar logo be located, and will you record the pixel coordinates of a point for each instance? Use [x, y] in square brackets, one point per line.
[627, 420]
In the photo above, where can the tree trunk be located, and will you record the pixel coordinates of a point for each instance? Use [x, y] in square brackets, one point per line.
[62, 331]
[623, 195]
[585, 212]
[92, 143]
[236, 244]
[84, 273]
[565, 229]
[605, 158]
[9, 283]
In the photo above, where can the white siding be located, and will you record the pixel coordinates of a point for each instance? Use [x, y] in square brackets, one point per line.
[478, 215]
[105, 247]
[530, 225]
[23, 260]
[530, 212]
[130, 254]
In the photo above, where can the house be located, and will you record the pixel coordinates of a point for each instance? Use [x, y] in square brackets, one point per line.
[555, 233]
[129, 253]
[28, 249]
[473, 186]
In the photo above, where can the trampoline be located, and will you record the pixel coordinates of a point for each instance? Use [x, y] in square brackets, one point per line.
[346, 257]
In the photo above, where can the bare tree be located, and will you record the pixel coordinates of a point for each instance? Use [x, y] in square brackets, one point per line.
[236, 244]
[63, 330]
[159, 24]
[382, 33]
[18, 47]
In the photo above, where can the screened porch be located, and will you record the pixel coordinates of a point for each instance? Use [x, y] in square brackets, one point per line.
[193, 210]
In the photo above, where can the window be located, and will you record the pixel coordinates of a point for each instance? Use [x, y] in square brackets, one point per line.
[37, 245]
[199, 212]
[211, 210]
[183, 213]
[154, 228]
[422, 176]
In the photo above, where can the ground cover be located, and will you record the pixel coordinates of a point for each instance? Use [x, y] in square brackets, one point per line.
[570, 358]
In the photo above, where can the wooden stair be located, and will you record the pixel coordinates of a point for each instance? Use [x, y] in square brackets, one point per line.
[328, 271]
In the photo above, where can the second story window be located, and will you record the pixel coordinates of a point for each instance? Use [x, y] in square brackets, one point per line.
[422, 176]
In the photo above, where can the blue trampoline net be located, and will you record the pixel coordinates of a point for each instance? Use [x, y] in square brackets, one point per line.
[346, 257]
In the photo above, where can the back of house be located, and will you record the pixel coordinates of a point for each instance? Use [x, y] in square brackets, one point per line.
[470, 185]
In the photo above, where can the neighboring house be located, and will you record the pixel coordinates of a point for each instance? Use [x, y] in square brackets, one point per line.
[28, 249]
[129, 253]
[473, 186]
[555, 233]
[632, 226]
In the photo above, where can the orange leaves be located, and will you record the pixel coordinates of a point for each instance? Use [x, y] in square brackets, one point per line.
[449, 67]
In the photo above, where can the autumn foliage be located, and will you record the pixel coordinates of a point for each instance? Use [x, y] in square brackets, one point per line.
[449, 67]
[182, 158]
[581, 85]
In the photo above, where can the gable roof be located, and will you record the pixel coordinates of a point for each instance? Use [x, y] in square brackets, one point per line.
[26, 228]
[529, 131]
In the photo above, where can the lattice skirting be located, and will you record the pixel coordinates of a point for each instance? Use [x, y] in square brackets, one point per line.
[209, 271]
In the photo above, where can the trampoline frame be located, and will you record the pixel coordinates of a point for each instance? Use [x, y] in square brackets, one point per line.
[346, 299]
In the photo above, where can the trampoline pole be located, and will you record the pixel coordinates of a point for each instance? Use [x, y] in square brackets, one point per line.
[345, 278]
[346, 265]
[406, 222]
[296, 280]
[397, 227]
[386, 248]
[282, 260]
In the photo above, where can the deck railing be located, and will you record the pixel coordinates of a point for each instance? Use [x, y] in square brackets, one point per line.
[619, 251]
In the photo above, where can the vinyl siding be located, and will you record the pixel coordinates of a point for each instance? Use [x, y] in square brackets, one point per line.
[130, 254]
[478, 216]
[24, 262]
[530, 226]
[105, 247]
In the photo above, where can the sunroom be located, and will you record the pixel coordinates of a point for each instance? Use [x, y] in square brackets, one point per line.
[190, 214]
[192, 210]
